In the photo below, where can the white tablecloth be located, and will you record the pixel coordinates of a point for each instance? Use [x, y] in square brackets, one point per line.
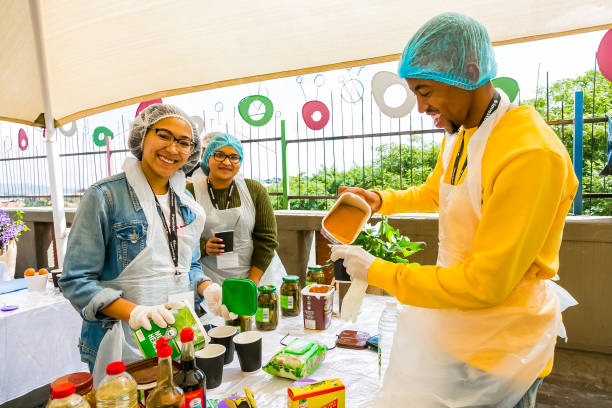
[357, 369]
[38, 341]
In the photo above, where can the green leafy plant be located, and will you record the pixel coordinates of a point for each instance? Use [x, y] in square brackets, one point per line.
[385, 242]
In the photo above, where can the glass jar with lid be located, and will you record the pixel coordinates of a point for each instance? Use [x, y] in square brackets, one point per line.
[290, 295]
[315, 275]
[266, 317]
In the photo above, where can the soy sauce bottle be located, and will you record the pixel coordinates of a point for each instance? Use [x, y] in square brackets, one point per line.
[190, 378]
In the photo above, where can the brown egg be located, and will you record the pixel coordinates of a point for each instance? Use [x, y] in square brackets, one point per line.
[29, 272]
[43, 271]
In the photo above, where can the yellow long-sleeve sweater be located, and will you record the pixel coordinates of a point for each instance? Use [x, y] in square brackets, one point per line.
[528, 186]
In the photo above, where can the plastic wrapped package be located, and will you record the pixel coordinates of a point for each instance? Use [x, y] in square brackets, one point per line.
[297, 360]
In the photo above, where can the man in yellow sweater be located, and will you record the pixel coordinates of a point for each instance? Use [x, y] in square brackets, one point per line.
[485, 323]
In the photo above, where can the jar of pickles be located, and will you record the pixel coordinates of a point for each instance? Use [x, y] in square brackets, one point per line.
[266, 317]
[315, 275]
[290, 295]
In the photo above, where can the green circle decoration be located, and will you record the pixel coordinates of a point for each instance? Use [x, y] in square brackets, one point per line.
[245, 103]
[100, 134]
[508, 85]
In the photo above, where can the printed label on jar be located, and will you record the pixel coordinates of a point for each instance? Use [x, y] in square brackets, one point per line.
[310, 324]
[263, 315]
[286, 302]
[194, 399]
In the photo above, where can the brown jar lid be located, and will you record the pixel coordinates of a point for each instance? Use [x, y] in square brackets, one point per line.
[83, 382]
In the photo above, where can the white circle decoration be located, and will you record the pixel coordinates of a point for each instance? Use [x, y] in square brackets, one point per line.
[380, 83]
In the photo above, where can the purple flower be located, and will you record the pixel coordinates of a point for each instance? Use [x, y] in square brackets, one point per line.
[10, 228]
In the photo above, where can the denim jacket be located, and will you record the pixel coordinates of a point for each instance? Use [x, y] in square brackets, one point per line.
[108, 232]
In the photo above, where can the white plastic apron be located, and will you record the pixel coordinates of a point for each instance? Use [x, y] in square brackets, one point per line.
[242, 221]
[149, 279]
[485, 357]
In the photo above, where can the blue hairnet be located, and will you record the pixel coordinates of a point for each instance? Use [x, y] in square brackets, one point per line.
[218, 141]
[442, 48]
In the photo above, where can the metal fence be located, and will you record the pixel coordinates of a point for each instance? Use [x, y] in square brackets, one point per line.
[301, 167]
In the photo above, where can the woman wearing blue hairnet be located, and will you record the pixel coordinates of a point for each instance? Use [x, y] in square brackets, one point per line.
[233, 203]
[480, 326]
[133, 249]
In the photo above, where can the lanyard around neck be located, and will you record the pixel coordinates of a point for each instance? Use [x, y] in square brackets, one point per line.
[492, 107]
[170, 231]
[213, 198]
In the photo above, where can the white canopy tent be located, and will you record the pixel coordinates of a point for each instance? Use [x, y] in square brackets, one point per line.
[68, 59]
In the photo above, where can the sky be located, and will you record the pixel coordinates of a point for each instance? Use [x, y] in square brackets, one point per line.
[528, 63]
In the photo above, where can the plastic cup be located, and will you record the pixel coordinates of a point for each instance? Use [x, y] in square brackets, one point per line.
[248, 347]
[210, 361]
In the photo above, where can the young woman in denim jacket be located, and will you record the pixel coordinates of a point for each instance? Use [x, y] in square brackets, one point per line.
[128, 253]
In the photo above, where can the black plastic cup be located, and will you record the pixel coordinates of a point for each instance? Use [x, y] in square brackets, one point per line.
[210, 361]
[228, 240]
[223, 335]
[340, 273]
[55, 274]
[248, 347]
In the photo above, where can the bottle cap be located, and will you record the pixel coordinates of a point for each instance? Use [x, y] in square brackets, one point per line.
[62, 390]
[291, 278]
[162, 341]
[114, 368]
[315, 267]
[186, 334]
[164, 350]
[267, 288]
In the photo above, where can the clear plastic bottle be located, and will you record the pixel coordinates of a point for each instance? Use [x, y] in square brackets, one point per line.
[387, 325]
[117, 388]
[64, 396]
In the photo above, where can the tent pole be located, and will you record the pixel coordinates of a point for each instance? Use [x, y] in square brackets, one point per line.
[53, 160]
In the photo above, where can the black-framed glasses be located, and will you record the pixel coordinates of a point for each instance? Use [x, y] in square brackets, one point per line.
[220, 157]
[183, 144]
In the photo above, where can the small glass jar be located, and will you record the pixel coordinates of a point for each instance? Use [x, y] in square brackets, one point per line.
[290, 295]
[315, 275]
[266, 317]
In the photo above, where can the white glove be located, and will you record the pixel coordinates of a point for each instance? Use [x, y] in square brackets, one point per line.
[353, 299]
[356, 260]
[160, 314]
[213, 296]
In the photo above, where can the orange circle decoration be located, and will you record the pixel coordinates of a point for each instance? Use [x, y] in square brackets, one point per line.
[309, 109]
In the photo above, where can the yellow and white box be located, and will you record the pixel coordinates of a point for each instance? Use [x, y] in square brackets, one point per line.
[323, 394]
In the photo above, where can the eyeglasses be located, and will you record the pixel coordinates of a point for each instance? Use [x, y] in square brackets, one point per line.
[220, 157]
[183, 144]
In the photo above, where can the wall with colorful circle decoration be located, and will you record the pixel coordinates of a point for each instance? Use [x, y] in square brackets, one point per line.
[604, 55]
[309, 109]
[382, 81]
[245, 104]
[22, 140]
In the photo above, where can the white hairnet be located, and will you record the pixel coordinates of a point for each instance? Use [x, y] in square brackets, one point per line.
[153, 114]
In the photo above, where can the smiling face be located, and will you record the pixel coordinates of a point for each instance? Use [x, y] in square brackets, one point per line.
[448, 105]
[223, 170]
[161, 160]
